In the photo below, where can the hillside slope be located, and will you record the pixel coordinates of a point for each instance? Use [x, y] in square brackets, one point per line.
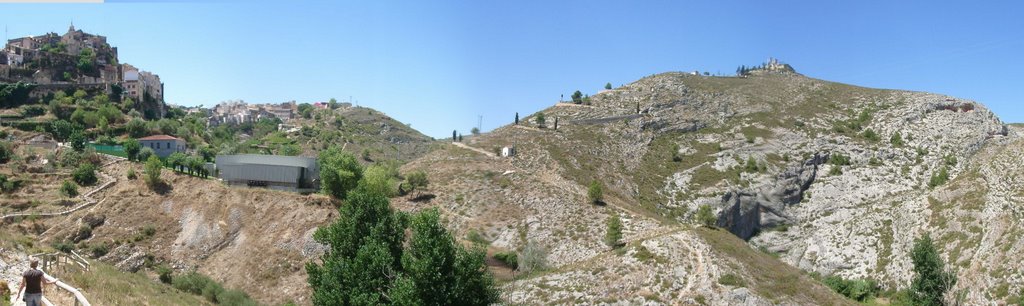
[831, 178]
[249, 239]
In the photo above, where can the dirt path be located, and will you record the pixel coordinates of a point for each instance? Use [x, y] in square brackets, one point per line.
[478, 150]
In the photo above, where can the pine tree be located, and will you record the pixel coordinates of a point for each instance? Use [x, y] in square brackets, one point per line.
[705, 217]
[517, 118]
[595, 192]
[614, 232]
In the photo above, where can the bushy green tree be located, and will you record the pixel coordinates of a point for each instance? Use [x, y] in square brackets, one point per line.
[378, 179]
[195, 165]
[176, 160]
[207, 153]
[368, 260]
[613, 233]
[136, 128]
[595, 192]
[77, 141]
[577, 97]
[417, 180]
[608, 85]
[339, 172]
[152, 170]
[145, 153]
[931, 279]
[61, 129]
[445, 273]
[705, 217]
[85, 174]
[131, 148]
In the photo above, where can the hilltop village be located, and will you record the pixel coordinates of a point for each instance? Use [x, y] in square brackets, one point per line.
[79, 60]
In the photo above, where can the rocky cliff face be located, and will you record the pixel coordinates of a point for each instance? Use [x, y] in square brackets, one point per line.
[746, 212]
[832, 178]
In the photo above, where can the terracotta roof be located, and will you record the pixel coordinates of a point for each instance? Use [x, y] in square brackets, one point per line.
[159, 137]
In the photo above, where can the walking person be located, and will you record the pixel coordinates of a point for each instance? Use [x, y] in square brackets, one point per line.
[32, 281]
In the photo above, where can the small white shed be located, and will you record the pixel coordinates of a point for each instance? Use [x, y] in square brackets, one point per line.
[508, 151]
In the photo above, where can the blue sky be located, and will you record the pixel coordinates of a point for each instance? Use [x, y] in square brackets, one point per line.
[438, 65]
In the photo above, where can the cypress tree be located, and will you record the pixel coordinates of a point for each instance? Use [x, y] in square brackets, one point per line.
[517, 118]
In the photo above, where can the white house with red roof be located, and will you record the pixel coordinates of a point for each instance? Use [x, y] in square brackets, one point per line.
[163, 145]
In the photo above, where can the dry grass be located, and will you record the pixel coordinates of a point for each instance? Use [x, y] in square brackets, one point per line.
[766, 275]
[106, 285]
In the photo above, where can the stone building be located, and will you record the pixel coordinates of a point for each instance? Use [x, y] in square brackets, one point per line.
[164, 145]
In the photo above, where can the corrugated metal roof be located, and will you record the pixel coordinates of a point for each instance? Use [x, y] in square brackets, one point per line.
[262, 159]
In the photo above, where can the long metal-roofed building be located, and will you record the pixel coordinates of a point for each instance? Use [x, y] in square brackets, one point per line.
[291, 173]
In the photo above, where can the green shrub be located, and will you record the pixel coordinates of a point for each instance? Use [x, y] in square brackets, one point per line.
[69, 189]
[838, 159]
[131, 173]
[164, 274]
[212, 290]
[9, 184]
[149, 230]
[939, 178]
[191, 282]
[730, 279]
[84, 232]
[33, 110]
[859, 289]
[896, 140]
[950, 160]
[99, 249]
[85, 174]
[870, 135]
[508, 258]
[145, 153]
[475, 237]
[751, 165]
[705, 217]
[152, 169]
[63, 246]
[6, 153]
[234, 298]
